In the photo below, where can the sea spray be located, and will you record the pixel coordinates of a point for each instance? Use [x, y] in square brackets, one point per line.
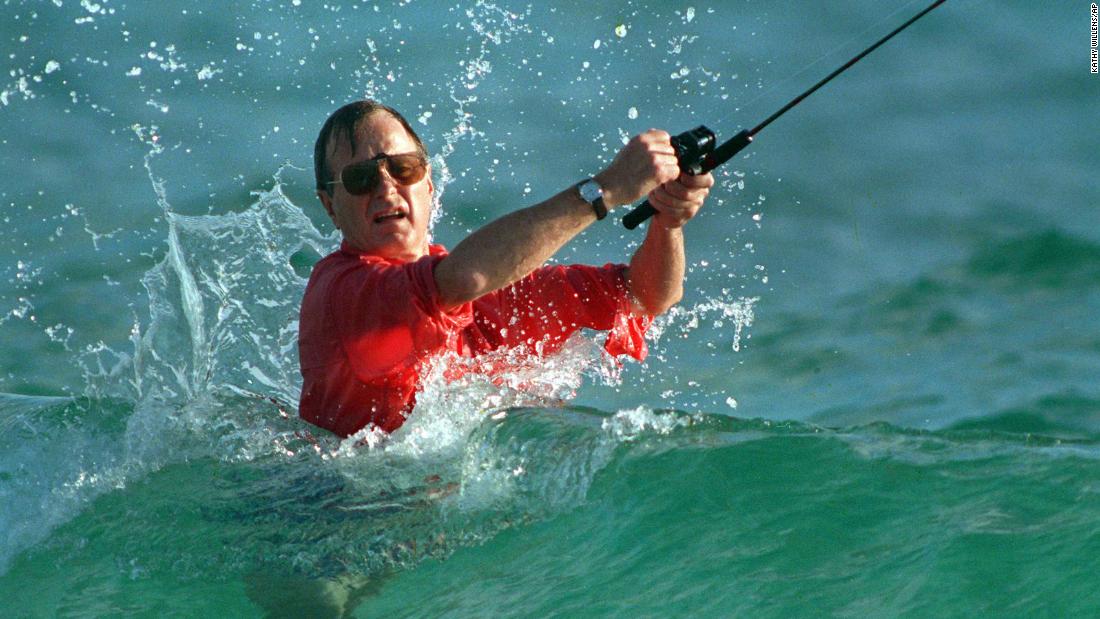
[214, 331]
[629, 424]
[684, 320]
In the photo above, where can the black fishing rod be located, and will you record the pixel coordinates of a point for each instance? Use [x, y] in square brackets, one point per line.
[695, 149]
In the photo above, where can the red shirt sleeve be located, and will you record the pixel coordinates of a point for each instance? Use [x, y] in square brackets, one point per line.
[553, 302]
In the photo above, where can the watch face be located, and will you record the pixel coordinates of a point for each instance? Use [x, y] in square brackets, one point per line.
[590, 190]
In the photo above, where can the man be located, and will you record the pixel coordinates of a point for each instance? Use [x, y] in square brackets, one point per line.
[387, 301]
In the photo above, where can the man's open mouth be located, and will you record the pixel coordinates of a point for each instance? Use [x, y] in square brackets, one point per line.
[388, 216]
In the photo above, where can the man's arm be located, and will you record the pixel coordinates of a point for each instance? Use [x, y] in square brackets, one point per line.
[516, 244]
[656, 276]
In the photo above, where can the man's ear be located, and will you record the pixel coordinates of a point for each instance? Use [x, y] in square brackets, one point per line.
[326, 201]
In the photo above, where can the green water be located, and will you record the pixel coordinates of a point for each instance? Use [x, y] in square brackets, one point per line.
[877, 399]
[716, 518]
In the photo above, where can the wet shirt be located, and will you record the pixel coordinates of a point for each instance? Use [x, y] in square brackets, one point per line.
[368, 324]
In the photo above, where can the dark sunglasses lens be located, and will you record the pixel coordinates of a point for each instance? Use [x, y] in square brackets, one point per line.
[360, 178]
[407, 169]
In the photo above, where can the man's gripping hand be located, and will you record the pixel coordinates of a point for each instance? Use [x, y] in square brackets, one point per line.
[678, 201]
[644, 164]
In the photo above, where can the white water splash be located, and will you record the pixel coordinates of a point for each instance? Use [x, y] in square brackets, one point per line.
[458, 393]
[739, 314]
[494, 26]
[629, 424]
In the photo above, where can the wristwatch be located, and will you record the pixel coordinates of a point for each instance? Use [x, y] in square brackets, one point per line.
[592, 193]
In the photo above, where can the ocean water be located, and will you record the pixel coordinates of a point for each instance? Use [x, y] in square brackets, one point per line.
[877, 399]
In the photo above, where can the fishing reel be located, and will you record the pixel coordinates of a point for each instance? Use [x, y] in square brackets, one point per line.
[692, 147]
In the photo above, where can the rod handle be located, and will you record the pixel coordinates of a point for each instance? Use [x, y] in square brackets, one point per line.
[640, 213]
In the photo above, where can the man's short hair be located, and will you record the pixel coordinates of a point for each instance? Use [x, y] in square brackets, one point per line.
[341, 125]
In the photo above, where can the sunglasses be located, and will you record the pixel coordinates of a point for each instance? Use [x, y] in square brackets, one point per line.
[362, 177]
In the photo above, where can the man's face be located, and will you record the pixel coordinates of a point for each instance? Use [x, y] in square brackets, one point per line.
[366, 221]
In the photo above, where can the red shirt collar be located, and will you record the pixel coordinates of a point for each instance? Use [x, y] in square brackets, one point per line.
[347, 249]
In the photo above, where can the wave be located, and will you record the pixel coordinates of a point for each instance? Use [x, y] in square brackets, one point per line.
[727, 517]
[326, 510]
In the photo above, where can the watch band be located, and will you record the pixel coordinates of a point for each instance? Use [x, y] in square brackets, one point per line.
[592, 193]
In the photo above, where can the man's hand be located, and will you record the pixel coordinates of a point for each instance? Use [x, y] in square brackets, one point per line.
[678, 201]
[645, 163]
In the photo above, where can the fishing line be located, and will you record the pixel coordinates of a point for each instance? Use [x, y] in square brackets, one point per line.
[696, 151]
[820, 59]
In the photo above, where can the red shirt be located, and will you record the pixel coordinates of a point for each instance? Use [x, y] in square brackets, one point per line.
[368, 323]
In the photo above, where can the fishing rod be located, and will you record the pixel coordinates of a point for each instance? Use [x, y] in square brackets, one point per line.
[695, 149]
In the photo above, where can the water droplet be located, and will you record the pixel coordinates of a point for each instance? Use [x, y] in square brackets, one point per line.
[207, 72]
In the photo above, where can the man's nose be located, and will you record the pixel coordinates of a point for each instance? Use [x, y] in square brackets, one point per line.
[386, 182]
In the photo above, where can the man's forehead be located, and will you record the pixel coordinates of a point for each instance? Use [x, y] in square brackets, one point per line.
[377, 133]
